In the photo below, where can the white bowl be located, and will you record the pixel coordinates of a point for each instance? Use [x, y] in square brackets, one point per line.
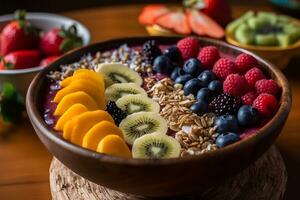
[21, 78]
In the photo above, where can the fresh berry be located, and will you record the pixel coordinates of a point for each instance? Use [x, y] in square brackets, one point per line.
[206, 77]
[215, 86]
[223, 67]
[253, 75]
[249, 97]
[175, 21]
[22, 59]
[151, 12]
[60, 40]
[163, 64]
[226, 123]
[226, 139]
[202, 24]
[247, 116]
[219, 10]
[244, 62]
[117, 114]
[266, 104]
[192, 66]
[267, 86]
[204, 94]
[208, 56]
[183, 79]
[178, 71]
[150, 51]
[192, 87]
[48, 60]
[225, 104]
[235, 85]
[188, 47]
[18, 35]
[173, 53]
[199, 107]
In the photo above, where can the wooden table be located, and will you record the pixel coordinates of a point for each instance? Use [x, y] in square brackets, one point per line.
[24, 162]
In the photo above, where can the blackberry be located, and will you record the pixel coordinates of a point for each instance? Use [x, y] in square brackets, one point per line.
[150, 51]
[224, 104]
[117, 114]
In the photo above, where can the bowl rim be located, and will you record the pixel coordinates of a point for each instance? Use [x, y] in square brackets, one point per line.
[41, 16]
[267, 129]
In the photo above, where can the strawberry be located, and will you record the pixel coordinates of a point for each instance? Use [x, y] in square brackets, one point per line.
[48, 60]
[151, 12]
[19, 34]
[188, 47]
[176, 21]
[219, 10]
[21, 59]
[202, 24]
[60, 40]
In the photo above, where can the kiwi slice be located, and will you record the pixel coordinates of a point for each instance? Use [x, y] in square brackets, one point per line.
[244, 34]
[268, 16]
[257, 23]
[284, 40]
[142, 123]
[155, 146]
[231, 27]
[136, 103]
[118, 90]
[266, 39]
[118, 73]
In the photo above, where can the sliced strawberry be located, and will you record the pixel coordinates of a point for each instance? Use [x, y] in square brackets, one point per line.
[201, 23]
[176, 21]
[151, 12]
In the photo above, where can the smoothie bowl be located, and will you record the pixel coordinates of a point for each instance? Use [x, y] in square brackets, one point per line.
[158, 116]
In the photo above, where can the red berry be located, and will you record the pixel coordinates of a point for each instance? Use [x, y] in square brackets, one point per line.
[188, 47]
[245, 62]
[249, 97]
[208, 56]
[266, 104]
[253, 75]
[223, 67]
[235, 85]
[267, 86]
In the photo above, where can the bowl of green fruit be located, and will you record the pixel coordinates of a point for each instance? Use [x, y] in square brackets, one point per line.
[272, 36]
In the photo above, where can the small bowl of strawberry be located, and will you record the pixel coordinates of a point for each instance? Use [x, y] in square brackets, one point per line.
[29, 42]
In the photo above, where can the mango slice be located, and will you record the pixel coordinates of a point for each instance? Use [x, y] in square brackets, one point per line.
[74, 98]
[68, 127]
[87, 74]
[74, 110]
[66, 81]
[114, 145]
[98, 132]
[96, 92]
[85, 121]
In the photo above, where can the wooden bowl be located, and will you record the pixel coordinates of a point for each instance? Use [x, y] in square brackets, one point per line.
[156, 178]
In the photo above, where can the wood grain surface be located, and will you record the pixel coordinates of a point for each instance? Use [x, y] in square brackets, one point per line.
[24, 162]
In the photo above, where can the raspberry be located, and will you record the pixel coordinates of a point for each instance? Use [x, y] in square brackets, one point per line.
[150, 51]
[188, 47]
[248, 98]
[235, 85]
[208, 56]
[253, 75]
[223, 67]
[117, 114]
[245, 62]
[266, 104]
[224, 104]
[267, 86]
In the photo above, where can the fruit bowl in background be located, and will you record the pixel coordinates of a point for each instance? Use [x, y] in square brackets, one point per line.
[164, 177]
[21, 78]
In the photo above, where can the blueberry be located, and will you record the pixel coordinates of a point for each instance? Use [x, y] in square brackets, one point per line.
[226, 123]
[204, 94]
[192, 66]
[199, 107]
[163, 64]
[178, 71]
[192, 87]
[227, 139]
[206, 77]
[247, 116]
[183, 79]
[173, 53]
[215, 86]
